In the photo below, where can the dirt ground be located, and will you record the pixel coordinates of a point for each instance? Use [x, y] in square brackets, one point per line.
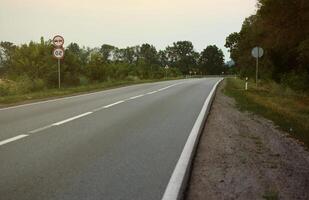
[244, 156]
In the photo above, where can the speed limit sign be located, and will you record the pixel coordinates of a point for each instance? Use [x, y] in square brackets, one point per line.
[58, 53]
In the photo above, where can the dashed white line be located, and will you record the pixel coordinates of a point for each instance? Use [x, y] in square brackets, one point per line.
[152, 92]
[12, 139]
[135, 97]
[71, 119]
[113, 104]
[40, 129]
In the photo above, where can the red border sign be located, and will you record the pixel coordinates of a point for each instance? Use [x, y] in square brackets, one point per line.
[61, 56]
[58, 41]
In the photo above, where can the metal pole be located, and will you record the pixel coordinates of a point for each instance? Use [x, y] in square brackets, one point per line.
[59, 80]
[257, 69]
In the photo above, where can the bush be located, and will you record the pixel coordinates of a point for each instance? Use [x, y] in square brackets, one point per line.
[297, 81]
[4, 89]
[25, 85]
[132, 78]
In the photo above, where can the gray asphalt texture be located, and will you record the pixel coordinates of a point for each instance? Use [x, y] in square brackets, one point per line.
[127, 151]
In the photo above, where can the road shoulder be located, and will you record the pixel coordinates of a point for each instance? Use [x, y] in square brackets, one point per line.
[244, 156]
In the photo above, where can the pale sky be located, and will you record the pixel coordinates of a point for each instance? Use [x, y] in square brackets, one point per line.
[124, 22]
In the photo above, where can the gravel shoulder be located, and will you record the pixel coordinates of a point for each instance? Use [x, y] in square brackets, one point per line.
[244, 156]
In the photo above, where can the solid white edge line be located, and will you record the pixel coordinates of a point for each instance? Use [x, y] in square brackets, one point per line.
[71, 119]
[178, 180]
[12, 139]
[113, 104]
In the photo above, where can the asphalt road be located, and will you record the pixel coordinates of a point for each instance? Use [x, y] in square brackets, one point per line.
[117, 144]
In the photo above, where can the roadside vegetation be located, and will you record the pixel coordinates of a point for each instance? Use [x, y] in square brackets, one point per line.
[29, 71]
[281, 28]
[69, 91]
[286, 108]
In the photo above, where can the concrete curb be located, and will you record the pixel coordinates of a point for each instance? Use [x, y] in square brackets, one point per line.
[178, 181]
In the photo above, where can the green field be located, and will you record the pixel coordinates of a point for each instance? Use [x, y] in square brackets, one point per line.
[68, 91]
[286, 108]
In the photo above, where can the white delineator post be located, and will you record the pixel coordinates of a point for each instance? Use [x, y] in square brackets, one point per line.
[246, 85]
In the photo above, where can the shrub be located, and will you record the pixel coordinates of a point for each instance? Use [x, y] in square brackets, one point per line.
[297, 81]
[4, 89]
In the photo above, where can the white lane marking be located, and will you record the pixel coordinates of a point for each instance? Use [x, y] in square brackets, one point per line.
[138, 96]
[12, 139]
[71, 119]
[176, 184]
[152, 92]
[97, 109]
[76, 96]
[40, 129]
[169, 86]
[113, 104]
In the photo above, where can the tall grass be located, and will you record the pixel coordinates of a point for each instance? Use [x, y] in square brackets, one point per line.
[12, 95]
[285, 107]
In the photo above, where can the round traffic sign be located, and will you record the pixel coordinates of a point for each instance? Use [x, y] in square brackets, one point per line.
[257, 52]
[58, 53]
[58, 41]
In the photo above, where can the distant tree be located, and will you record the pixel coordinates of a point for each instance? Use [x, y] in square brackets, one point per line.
[107, 51]
[96, 68]
[162, 58]
[6, 51]
[212, 60]
[148, 53]
[232, 44]
[182, 56]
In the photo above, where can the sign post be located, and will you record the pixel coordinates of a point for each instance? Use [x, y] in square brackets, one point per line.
[166, 68]
[257, 52]
[58, 53]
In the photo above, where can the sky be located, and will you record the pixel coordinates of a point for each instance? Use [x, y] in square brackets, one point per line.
[124, 23]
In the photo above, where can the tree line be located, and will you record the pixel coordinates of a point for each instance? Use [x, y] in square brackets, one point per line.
[281, 28]
[32, 64]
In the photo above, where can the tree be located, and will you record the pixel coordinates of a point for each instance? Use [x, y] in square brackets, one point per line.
[231, 43]
[148, 53]
[162, 58]
[212, 60]
[182, 56]
[281, 28]
[107, 51]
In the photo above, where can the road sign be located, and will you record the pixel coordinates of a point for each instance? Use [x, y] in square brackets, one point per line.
[257, 52]
[58, 41]
[58, 53]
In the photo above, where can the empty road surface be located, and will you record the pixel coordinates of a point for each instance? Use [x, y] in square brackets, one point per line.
[117, 144]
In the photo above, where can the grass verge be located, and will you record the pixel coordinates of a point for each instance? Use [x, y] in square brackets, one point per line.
[287, 109]
[68, 91]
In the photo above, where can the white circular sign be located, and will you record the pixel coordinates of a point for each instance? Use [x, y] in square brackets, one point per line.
[257, 52]
[58, 53]
[58, 41]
